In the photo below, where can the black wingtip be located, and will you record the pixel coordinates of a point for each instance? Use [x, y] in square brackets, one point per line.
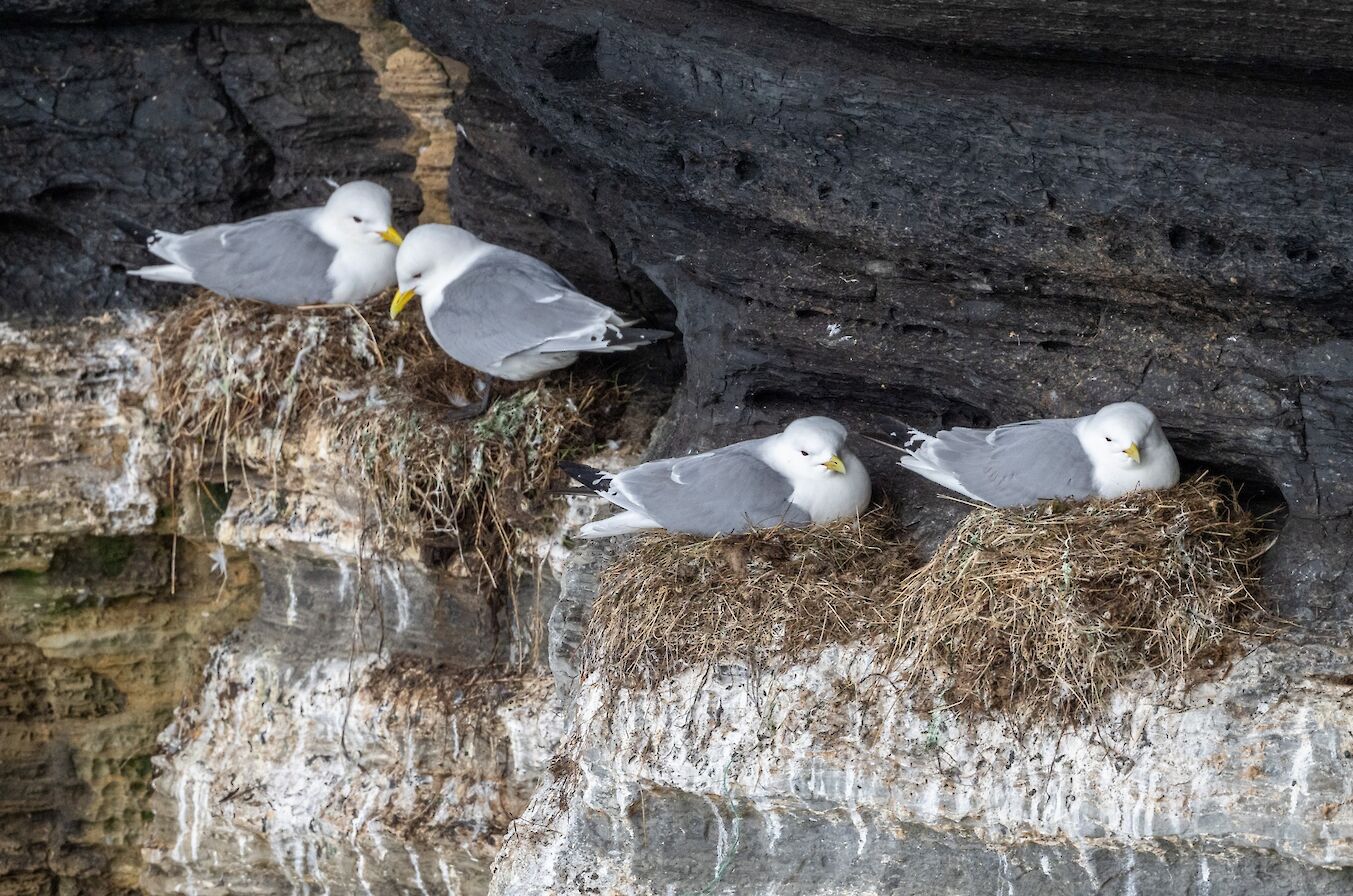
[639, 336]
[136, 231]
[597, 480]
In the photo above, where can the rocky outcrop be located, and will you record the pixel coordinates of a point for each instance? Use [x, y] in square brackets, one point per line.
[885, 213]
[827, 776]
[419, 84]
[107, 617]
[881, 212]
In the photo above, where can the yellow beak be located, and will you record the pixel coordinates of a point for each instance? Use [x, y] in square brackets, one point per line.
[835, 465]
[401, 299]
[1133, 452]
[390, 235]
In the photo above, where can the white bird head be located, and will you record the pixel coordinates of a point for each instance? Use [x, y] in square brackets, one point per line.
[809, 448]
[432, 256]
[359, 212]
[1125, 436]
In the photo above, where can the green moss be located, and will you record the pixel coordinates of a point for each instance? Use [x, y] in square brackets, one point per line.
[137, 767]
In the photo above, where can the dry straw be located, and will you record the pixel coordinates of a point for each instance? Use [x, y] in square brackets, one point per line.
[1047, 610]
[1032, 613]
[673, 601]
[241, 383]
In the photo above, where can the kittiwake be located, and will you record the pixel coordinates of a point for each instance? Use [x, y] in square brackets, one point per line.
[802, 475]
[504, 313]
[1117, 450]
[342, 251]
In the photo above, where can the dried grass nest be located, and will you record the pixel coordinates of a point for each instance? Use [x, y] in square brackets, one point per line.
[239, 382]
[1030, 612]
[673, 601]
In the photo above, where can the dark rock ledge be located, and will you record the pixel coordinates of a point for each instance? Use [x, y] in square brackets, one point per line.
[938, 224]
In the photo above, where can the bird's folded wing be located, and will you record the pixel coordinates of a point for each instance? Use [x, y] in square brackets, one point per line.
[1016, 464]
[722, 491]
[508, 303]
[275, 256]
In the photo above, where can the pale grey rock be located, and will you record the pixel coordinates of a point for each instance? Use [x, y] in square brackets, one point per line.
[823, 778]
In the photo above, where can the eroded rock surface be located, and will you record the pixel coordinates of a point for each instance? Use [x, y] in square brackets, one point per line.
[105, 616]
[827, 776]
[950, 225]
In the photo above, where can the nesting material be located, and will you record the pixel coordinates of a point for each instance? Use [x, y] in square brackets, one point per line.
[1044, 611]
[1031, 614]
[674, 601]
[240, 383]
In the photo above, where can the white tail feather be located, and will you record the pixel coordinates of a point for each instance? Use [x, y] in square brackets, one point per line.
[620, 524]
[166, 273]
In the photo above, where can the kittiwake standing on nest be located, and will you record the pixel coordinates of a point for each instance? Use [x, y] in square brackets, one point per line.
[504, 313]
[800, 476]
[342, 251]
[1118, 450]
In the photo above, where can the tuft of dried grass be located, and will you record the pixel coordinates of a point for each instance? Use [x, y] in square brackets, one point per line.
[1045, 611]
[238, 380]
[675, 601]
[1031, 613]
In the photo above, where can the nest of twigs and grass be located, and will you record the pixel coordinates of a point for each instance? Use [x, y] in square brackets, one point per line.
[670, 602]
[1031, 614]
[1047, 610]
[243, 384]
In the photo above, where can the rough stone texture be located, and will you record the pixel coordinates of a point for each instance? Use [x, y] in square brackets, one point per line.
[77, 456]
[178, 115]
[353, 664]
[875, 210]
[898, 231]
[419, 84]
[106, 618]
[337, 774]
[825, 777]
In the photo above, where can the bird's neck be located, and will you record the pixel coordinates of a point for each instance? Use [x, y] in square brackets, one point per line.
[451, 269]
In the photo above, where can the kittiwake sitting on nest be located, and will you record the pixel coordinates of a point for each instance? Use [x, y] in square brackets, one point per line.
[504, 313]
[342, 251]
[1118, 450]
[800, 476]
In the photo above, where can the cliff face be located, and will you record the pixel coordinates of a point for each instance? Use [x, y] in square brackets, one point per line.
[881, 211]
[107, 617]
[903, 212]
[828, 774]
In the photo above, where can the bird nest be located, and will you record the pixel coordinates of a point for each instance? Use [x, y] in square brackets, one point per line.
[1047, 610]
[1028, 613]
[247, 389]
[674, 601]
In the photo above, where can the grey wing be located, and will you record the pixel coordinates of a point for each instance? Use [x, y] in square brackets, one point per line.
[508, 303]
[274, 258]
[719, 492]
[1017, 464]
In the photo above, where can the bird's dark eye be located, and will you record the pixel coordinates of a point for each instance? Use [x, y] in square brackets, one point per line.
[357, 219]
[804, 453]
[1107, 439]
[416, 276]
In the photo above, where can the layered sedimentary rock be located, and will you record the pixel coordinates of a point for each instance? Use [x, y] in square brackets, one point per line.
[885, 213]
[826, 776]
[912, 212]
[106, 616]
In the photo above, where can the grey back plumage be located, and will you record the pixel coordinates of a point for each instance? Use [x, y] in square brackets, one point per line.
[1018, 463]
[274, 258]
[508, 303]
[727, 490]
